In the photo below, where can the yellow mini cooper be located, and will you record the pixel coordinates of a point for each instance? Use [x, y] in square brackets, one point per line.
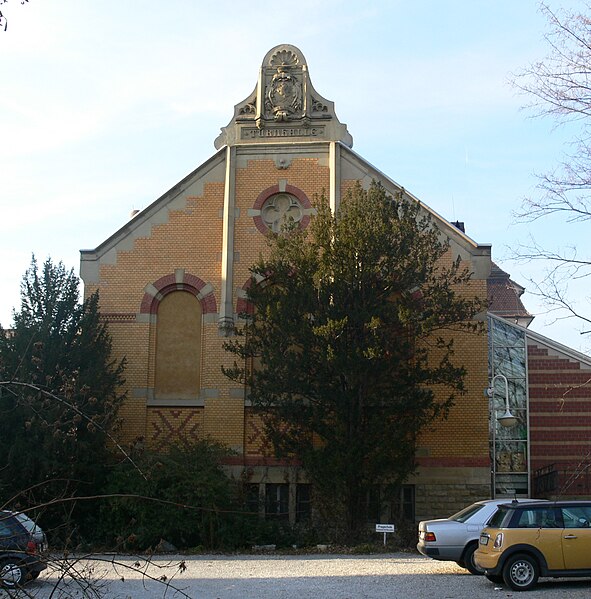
[524, 541]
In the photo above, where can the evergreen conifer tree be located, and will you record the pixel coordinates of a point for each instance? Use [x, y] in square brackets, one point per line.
[348, 349]
[59, 394]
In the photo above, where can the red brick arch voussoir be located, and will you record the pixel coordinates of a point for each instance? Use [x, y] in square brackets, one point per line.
[168, 283]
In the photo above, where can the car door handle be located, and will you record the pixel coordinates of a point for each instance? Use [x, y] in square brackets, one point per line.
[570, 536]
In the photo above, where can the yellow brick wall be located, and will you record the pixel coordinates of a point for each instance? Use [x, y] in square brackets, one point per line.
[465, 431]
[303, 173]
[191, 239]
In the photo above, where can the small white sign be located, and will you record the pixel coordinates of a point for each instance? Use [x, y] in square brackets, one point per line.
[385, 528]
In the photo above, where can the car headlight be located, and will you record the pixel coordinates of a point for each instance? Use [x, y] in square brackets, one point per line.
[499, 540]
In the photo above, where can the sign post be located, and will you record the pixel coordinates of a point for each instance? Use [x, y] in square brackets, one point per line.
[385, 528]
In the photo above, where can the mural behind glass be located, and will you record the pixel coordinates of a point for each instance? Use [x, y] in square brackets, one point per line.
[507, 355]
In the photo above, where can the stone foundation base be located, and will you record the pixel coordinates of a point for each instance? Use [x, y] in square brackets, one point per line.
[438, 491]
[442, 491]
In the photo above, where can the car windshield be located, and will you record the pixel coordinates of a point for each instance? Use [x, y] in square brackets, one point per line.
[467, 512]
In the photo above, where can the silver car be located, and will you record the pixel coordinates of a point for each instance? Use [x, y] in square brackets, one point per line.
[456, 538]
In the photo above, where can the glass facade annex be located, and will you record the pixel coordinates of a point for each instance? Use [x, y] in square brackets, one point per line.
[509, 447]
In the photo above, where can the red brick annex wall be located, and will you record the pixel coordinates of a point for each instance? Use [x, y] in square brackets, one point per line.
[560, 423]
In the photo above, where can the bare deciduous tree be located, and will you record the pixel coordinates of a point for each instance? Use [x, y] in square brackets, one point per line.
[559, 86]
[3, 19]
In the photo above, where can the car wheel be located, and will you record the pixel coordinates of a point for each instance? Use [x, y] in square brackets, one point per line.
[469, 563]
[521, 572]
[12, 574]
[495, 578]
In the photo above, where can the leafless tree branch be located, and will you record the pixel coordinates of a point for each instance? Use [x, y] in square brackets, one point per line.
[559, 86]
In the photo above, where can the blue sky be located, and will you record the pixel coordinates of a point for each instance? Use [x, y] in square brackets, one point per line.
[105, 105]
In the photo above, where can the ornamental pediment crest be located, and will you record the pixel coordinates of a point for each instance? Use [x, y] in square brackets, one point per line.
[283, 104]
[284, 95]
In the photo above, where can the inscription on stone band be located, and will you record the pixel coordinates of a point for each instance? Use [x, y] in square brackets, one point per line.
[254, 133]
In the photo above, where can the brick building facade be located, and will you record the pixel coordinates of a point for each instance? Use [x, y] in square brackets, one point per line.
[172, 283]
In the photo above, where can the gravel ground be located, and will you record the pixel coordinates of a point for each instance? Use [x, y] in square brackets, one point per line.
[391, 576]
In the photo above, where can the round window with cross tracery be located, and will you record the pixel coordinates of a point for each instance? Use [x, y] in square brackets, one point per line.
[281, 209]
[279, 205]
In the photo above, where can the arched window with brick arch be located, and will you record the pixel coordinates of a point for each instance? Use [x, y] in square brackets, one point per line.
[177, 305]
[178, 347]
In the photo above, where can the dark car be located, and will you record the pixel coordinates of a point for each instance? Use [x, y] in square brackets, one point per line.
[19, 552]
[34, 530]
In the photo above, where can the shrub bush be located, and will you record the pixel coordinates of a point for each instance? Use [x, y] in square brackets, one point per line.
[182, 496]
